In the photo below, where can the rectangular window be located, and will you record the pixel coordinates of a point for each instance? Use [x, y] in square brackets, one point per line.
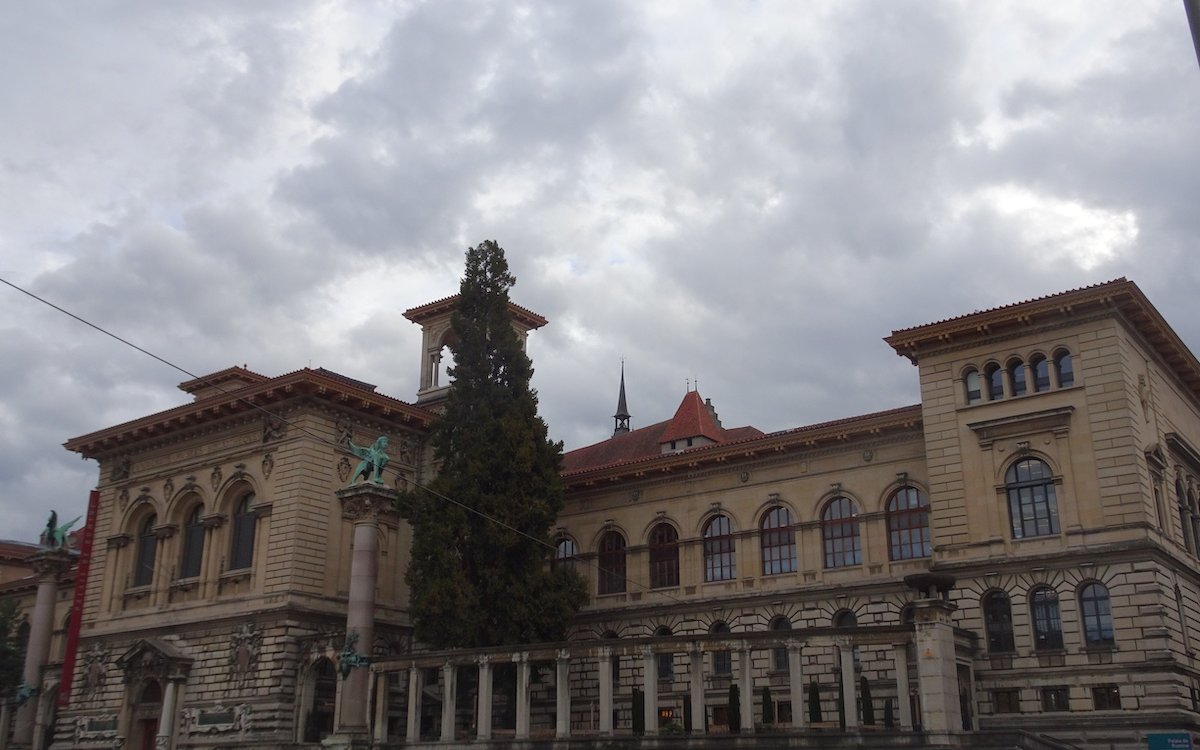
[1056, 698]
[1106, 697]
[666, 666]
[1006, 701]
[783, 712]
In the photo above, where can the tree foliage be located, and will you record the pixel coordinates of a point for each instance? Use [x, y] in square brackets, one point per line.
[480, 578]
[11, 648]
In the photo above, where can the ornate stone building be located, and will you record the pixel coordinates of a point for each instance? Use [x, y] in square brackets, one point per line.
[1016, 552]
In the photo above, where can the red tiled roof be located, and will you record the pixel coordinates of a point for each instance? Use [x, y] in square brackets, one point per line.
[248, 377]
[16, 551]
[445, 304]
[692, 419]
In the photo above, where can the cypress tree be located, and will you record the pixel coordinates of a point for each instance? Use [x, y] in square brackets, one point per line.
[889, 716]
[11, 656]
[768, 707]
[814, 702]
[868, 706]
[734, 708]
[478, 573]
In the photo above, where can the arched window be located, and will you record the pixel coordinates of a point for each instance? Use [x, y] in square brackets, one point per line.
[997, 621]
[1047, 622]
[719, 564]
[1016, 377]
[1032, 504]
[1097, 615]
[839, 530]
[1041, 373]
[664, 556]
[845, 618]
[1185, 526]
[722, 662]
[995, 382]
[908, 524]
[193, 544]
[1064, 369]
[565, 552]
[147, 548]
[973, 386]
[666, 660]
[1194, 512]
[778, 542]
[241, 552]
[779, 656]
[612, 563]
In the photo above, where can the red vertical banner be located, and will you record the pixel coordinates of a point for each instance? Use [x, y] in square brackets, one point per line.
[81, 577]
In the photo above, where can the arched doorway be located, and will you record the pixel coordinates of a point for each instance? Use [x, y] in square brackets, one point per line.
[147, 708]
[319, 722]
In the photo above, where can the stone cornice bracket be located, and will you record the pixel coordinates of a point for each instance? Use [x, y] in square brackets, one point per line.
[213, 520]
[166, 530]
[51, 562]
[117, 541]
[370, 503]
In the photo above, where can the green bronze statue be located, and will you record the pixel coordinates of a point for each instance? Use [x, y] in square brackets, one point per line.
[373, 460]
[55, 536]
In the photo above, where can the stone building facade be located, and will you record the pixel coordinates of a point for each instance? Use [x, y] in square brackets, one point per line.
[1019, 550]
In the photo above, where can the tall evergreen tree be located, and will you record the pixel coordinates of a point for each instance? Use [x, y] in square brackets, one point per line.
[11, 651]
[478, 574]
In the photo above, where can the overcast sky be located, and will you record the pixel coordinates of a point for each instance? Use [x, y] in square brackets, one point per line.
[750, 194]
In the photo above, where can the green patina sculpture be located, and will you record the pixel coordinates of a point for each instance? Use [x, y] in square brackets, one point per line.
[348, 657]
[25, 692]
[373, 460]
[55, 536]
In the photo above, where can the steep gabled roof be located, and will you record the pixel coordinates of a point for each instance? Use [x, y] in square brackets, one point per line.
[692, 419]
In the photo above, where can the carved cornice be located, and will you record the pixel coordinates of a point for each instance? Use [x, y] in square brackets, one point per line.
[117, 541]
[1056, 420]
[51, 562]
[166, 530]
[369, 503]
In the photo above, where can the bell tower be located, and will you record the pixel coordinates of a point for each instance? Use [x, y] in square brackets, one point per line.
[437, 334]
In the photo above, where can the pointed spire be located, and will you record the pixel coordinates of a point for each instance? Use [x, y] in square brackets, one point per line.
[621, 418]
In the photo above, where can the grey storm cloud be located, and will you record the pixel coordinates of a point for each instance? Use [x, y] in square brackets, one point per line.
[748, 195]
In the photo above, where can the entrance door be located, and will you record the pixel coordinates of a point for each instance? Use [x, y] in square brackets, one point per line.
[146, 711]
[149, 731]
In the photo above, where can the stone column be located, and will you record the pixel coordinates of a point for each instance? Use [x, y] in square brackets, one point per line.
[48, 565]
[696, 678]
[937, 669]
[562, 695]
[522, 732]
[900, 657]
[606, 692]
[5, 719]
[449, 694]
[416, 685]
[796, 679]
[849, 689]
[650, 691]
[166, 720]
[483, 713]
[381, 707]
[366, 505]
[746, 678]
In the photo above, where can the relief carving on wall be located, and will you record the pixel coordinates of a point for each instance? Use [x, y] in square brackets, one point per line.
[121, 468]
[244, 647]
[343, 430]
[123, 498]
[215, 478]
[268, 465]
[168, 489]
[217, 720]
[274, 428]
[343, 469]
[95, 672]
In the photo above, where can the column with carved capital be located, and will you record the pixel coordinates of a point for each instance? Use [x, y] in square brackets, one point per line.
[367, 505]
[49, 565]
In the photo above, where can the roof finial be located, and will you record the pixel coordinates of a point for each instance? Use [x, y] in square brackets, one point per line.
[621, 418]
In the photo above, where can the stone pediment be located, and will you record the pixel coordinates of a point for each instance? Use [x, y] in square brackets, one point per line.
[154, 657]
[1022, 425]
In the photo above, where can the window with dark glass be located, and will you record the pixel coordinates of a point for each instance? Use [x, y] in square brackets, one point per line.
[845, 618]
[565, 552]
[147, 549]
[241, 553]
[193, 544]
[995, 382]
[778, 542]
[779, 656]
[1016, 377]
[612, 563]
[1006, 701]
[1056, 698]
[1107, 697]
[722, 661]
[997, 622]
[908, 524]
[973, 387]
[1097, 615]
[718, 549]
[664, 556]
[614, 660]
[839, 531]
[1185, 526]
[1064, 369]
[1047, 622]
[666, 661]
[1194, 512]
[1032, 504]
[1041, 373]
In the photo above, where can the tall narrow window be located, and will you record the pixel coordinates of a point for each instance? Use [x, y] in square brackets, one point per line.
[1032, 504]
[1097, 615]
[722, 660]
[614, 660]
[1041, 373]
[779, 656]
[666, 660]
[1047, 622]
[997, 622]
[908, 524]
[565, 552]
[995, 382]
[1194, 512]
[193, 544]
[719, 562]
[1064, 369]
[241, 552]
[778, 542]
[612, 563]
[973, 386]
[1185, 526]
[839, 530]
[147, 549]
[664, 556]
[1016, 377]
